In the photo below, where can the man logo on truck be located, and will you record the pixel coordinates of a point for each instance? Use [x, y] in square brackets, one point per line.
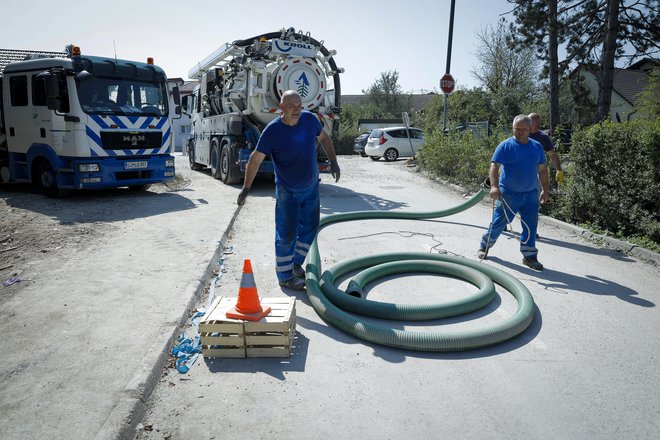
[134, 139]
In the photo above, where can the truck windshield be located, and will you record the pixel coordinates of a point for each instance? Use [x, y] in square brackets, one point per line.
[122, 96]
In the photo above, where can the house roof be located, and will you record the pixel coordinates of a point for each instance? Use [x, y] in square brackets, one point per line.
[629, 83]
[418, 101]
[645, 64]
[8, 56]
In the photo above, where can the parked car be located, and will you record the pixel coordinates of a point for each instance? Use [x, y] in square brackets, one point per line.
[359, 143]
[392, 143]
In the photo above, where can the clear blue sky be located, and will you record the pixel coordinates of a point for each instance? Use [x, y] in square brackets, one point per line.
[369, 36]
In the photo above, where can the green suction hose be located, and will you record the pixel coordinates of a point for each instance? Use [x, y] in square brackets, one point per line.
[334, 305]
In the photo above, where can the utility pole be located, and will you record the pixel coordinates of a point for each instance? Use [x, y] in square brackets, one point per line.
[451, 33]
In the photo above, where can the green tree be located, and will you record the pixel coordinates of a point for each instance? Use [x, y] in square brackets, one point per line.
[539, 24]
[508, 74]
[648, 104]
[463, 106]
[595, 32]
[386, 97]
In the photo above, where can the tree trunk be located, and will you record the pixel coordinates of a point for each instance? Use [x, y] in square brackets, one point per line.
[606, 80]
[553, 64]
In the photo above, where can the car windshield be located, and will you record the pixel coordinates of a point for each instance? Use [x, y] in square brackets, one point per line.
[122, 96]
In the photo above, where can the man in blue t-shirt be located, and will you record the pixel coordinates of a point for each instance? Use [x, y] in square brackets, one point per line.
[548, 146]
[290, 141]
[517, 164]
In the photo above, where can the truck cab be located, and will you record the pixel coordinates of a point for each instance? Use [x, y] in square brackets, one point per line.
[86, 122]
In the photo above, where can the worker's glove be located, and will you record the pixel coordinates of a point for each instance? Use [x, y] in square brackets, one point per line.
[242, 196]
[559, 177]
[334, 170]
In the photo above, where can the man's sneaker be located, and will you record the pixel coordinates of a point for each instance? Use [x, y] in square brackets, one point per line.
[532, 263]
[482, 253]
[293, 284]
[298, 272]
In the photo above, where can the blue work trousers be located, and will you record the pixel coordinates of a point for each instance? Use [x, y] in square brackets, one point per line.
[525, 203]
[297, 217]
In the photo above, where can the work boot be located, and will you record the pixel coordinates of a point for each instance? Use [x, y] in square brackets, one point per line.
[298, 272]
[482, 253]
[532, 263]
[293, 283]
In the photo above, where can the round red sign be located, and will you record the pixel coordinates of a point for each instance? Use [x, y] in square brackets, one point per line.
[447, 83]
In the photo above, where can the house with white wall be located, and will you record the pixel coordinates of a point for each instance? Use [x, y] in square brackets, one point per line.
[628, 84]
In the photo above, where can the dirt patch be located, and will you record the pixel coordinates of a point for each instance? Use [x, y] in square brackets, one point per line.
[33, 227]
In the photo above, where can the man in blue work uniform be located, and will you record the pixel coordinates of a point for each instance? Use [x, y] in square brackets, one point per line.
[290, 140]
[517, 165]
[547, 144]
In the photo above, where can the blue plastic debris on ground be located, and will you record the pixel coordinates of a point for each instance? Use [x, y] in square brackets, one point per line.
[186, 352]
[12, 280]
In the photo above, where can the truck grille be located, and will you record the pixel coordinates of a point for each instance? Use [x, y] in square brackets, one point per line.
[130, 140]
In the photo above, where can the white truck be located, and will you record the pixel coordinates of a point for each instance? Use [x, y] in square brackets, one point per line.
[85, 122]
[240, 86]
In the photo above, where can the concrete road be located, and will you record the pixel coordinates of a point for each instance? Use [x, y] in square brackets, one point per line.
[82, 335]
[585, 368]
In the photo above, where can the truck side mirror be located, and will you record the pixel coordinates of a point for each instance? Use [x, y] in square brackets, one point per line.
[52, 88]
[177, 100]
[52, 85]
[185, 104]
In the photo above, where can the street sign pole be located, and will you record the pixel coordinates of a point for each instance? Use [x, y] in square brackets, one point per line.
[406, 122]
[451, 33]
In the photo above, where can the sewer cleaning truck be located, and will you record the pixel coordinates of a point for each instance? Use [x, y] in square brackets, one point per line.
[240, 85]
[84, 122]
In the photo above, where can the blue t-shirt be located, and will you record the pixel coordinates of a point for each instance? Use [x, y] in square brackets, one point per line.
[293, 151]
[519, 170]
[543, 139]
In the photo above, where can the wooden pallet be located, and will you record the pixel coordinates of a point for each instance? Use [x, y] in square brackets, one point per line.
[273, 334]
[235, 338]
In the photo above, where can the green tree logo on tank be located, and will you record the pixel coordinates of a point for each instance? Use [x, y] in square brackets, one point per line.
[302, 84]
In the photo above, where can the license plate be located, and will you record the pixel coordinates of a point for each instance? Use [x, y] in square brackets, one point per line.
[135, 164]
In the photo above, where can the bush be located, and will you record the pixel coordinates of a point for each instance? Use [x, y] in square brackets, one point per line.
[462, 159]
[343, 142]
[614, 179]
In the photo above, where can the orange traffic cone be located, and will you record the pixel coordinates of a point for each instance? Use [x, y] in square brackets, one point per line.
[247, 306]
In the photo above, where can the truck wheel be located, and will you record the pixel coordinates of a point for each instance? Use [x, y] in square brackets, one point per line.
[139, 188]
[191, 158]
[46, 180]
[391, 155]
[228, 172]
[215, 159]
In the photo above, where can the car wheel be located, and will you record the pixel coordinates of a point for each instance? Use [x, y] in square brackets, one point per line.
[363, 154]
[391, 155]
[374, 157]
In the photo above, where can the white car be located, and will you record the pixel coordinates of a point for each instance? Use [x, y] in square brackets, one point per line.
[392, 143]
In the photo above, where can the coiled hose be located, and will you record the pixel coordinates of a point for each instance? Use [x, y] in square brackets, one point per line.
[334, 305]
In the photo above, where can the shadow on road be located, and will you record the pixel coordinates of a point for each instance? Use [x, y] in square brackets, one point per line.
[110, 205]
[274, 367]
[616, 255]
[593, 285]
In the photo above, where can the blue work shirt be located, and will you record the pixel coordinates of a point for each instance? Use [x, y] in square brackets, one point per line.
[519, 170]
[293, 151]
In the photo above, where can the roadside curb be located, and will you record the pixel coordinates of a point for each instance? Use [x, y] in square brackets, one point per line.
[130, 410]
[611, 242]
